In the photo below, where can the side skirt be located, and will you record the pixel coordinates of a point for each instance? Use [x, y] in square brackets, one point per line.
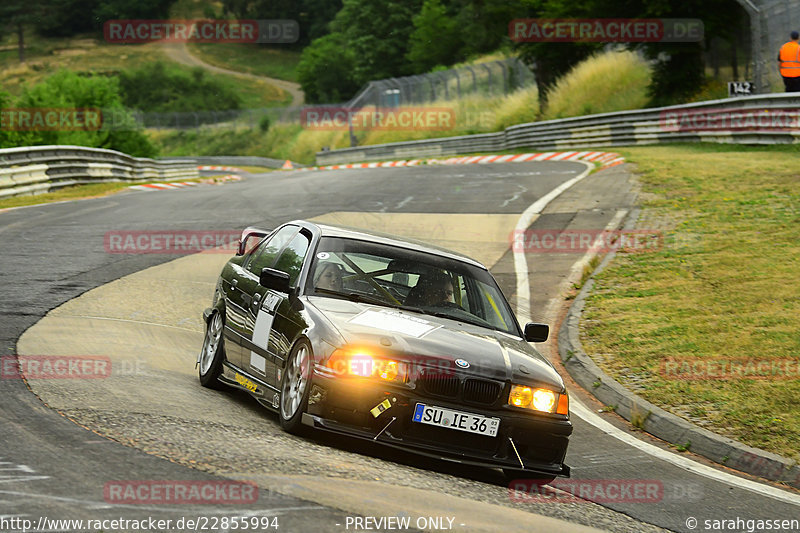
[265, 394]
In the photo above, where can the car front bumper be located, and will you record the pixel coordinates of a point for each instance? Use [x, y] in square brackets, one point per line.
[526, 442]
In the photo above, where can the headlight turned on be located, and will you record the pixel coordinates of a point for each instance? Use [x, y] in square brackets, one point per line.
[363, 364]
[543, 400]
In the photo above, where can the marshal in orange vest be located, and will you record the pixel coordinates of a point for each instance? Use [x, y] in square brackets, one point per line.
[789, 58]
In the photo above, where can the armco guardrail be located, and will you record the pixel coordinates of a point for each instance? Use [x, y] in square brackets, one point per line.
[37, 169]
[738, 120]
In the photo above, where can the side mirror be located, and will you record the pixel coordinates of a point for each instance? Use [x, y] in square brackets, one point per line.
[274, 279]
[536, 332]
[250, 237]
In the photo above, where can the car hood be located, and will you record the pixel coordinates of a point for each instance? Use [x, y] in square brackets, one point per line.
[430, 341]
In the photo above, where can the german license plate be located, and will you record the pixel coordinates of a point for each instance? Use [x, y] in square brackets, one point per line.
[459, 420]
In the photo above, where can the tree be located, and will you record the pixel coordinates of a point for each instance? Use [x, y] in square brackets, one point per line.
[313, 16]
[436, 39]
[326, 70]
[483, 24]
[377, 33]
[17, 14]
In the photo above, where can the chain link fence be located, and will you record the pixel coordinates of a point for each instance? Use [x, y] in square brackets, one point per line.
[244, 118]
[771, 22]
[491, 78]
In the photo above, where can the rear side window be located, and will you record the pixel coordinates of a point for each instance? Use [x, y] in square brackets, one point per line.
[268, 251]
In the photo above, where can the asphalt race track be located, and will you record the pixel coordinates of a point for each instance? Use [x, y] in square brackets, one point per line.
[64, 441]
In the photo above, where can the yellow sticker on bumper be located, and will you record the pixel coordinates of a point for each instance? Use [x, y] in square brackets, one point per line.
[246, 383]
[381, 407]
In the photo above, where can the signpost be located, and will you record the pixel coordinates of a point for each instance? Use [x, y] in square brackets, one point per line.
[741, 88]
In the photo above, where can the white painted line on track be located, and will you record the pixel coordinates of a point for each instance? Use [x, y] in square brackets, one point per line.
[525, 220]
[577, 408]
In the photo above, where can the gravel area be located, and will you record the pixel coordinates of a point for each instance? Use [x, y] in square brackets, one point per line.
[255, 444]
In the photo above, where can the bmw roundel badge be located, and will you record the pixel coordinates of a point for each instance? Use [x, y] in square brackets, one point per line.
[462, 363]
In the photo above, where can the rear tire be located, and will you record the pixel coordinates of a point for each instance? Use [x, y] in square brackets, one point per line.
[295, 387]
[212, 354]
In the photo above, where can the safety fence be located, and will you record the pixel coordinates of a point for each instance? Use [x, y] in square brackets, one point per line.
[490, 78]
[759, 119]
[38, 169]
[233, 118]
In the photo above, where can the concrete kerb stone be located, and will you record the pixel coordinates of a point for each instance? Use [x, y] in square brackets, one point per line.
[653, 419]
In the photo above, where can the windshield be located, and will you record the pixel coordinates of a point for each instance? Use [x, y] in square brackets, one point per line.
[407, 279]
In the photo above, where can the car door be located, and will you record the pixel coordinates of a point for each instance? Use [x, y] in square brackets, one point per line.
[243, 286]
[276, 323]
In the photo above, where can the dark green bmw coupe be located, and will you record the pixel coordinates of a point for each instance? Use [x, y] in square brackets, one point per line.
[386, 339]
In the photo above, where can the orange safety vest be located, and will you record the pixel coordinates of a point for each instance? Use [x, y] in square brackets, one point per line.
[789, 56]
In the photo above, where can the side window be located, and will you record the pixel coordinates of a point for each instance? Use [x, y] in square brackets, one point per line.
[265, 255]
[291, 260]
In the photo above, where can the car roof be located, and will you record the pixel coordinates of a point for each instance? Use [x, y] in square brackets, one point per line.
[335, 230]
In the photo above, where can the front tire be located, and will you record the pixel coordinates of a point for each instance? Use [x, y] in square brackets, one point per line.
[295, 387]
[212, 354]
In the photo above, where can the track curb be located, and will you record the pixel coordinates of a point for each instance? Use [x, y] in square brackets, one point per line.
[652, 419]
[607, 159]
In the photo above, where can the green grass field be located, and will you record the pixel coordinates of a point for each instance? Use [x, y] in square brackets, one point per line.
[724, 288]
[258, 59]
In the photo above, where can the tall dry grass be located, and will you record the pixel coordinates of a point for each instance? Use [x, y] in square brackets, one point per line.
[603, 83]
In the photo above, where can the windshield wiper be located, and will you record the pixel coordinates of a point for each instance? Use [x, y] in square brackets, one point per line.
[444, 314]
[355, 297]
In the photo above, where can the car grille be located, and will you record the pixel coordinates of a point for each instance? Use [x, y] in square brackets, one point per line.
[440, 385]
[472, 390]
[481, 391]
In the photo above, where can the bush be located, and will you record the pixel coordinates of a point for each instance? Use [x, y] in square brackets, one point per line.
[65, 89]
[154, 88]
[263, 124]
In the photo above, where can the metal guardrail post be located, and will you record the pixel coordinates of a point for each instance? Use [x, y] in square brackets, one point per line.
[443, 76]
[504, 72]
[474, 79]
[489, 75]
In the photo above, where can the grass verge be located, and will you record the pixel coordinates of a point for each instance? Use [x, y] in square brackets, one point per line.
[94, 190]
[83, 192]
[723, 290]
